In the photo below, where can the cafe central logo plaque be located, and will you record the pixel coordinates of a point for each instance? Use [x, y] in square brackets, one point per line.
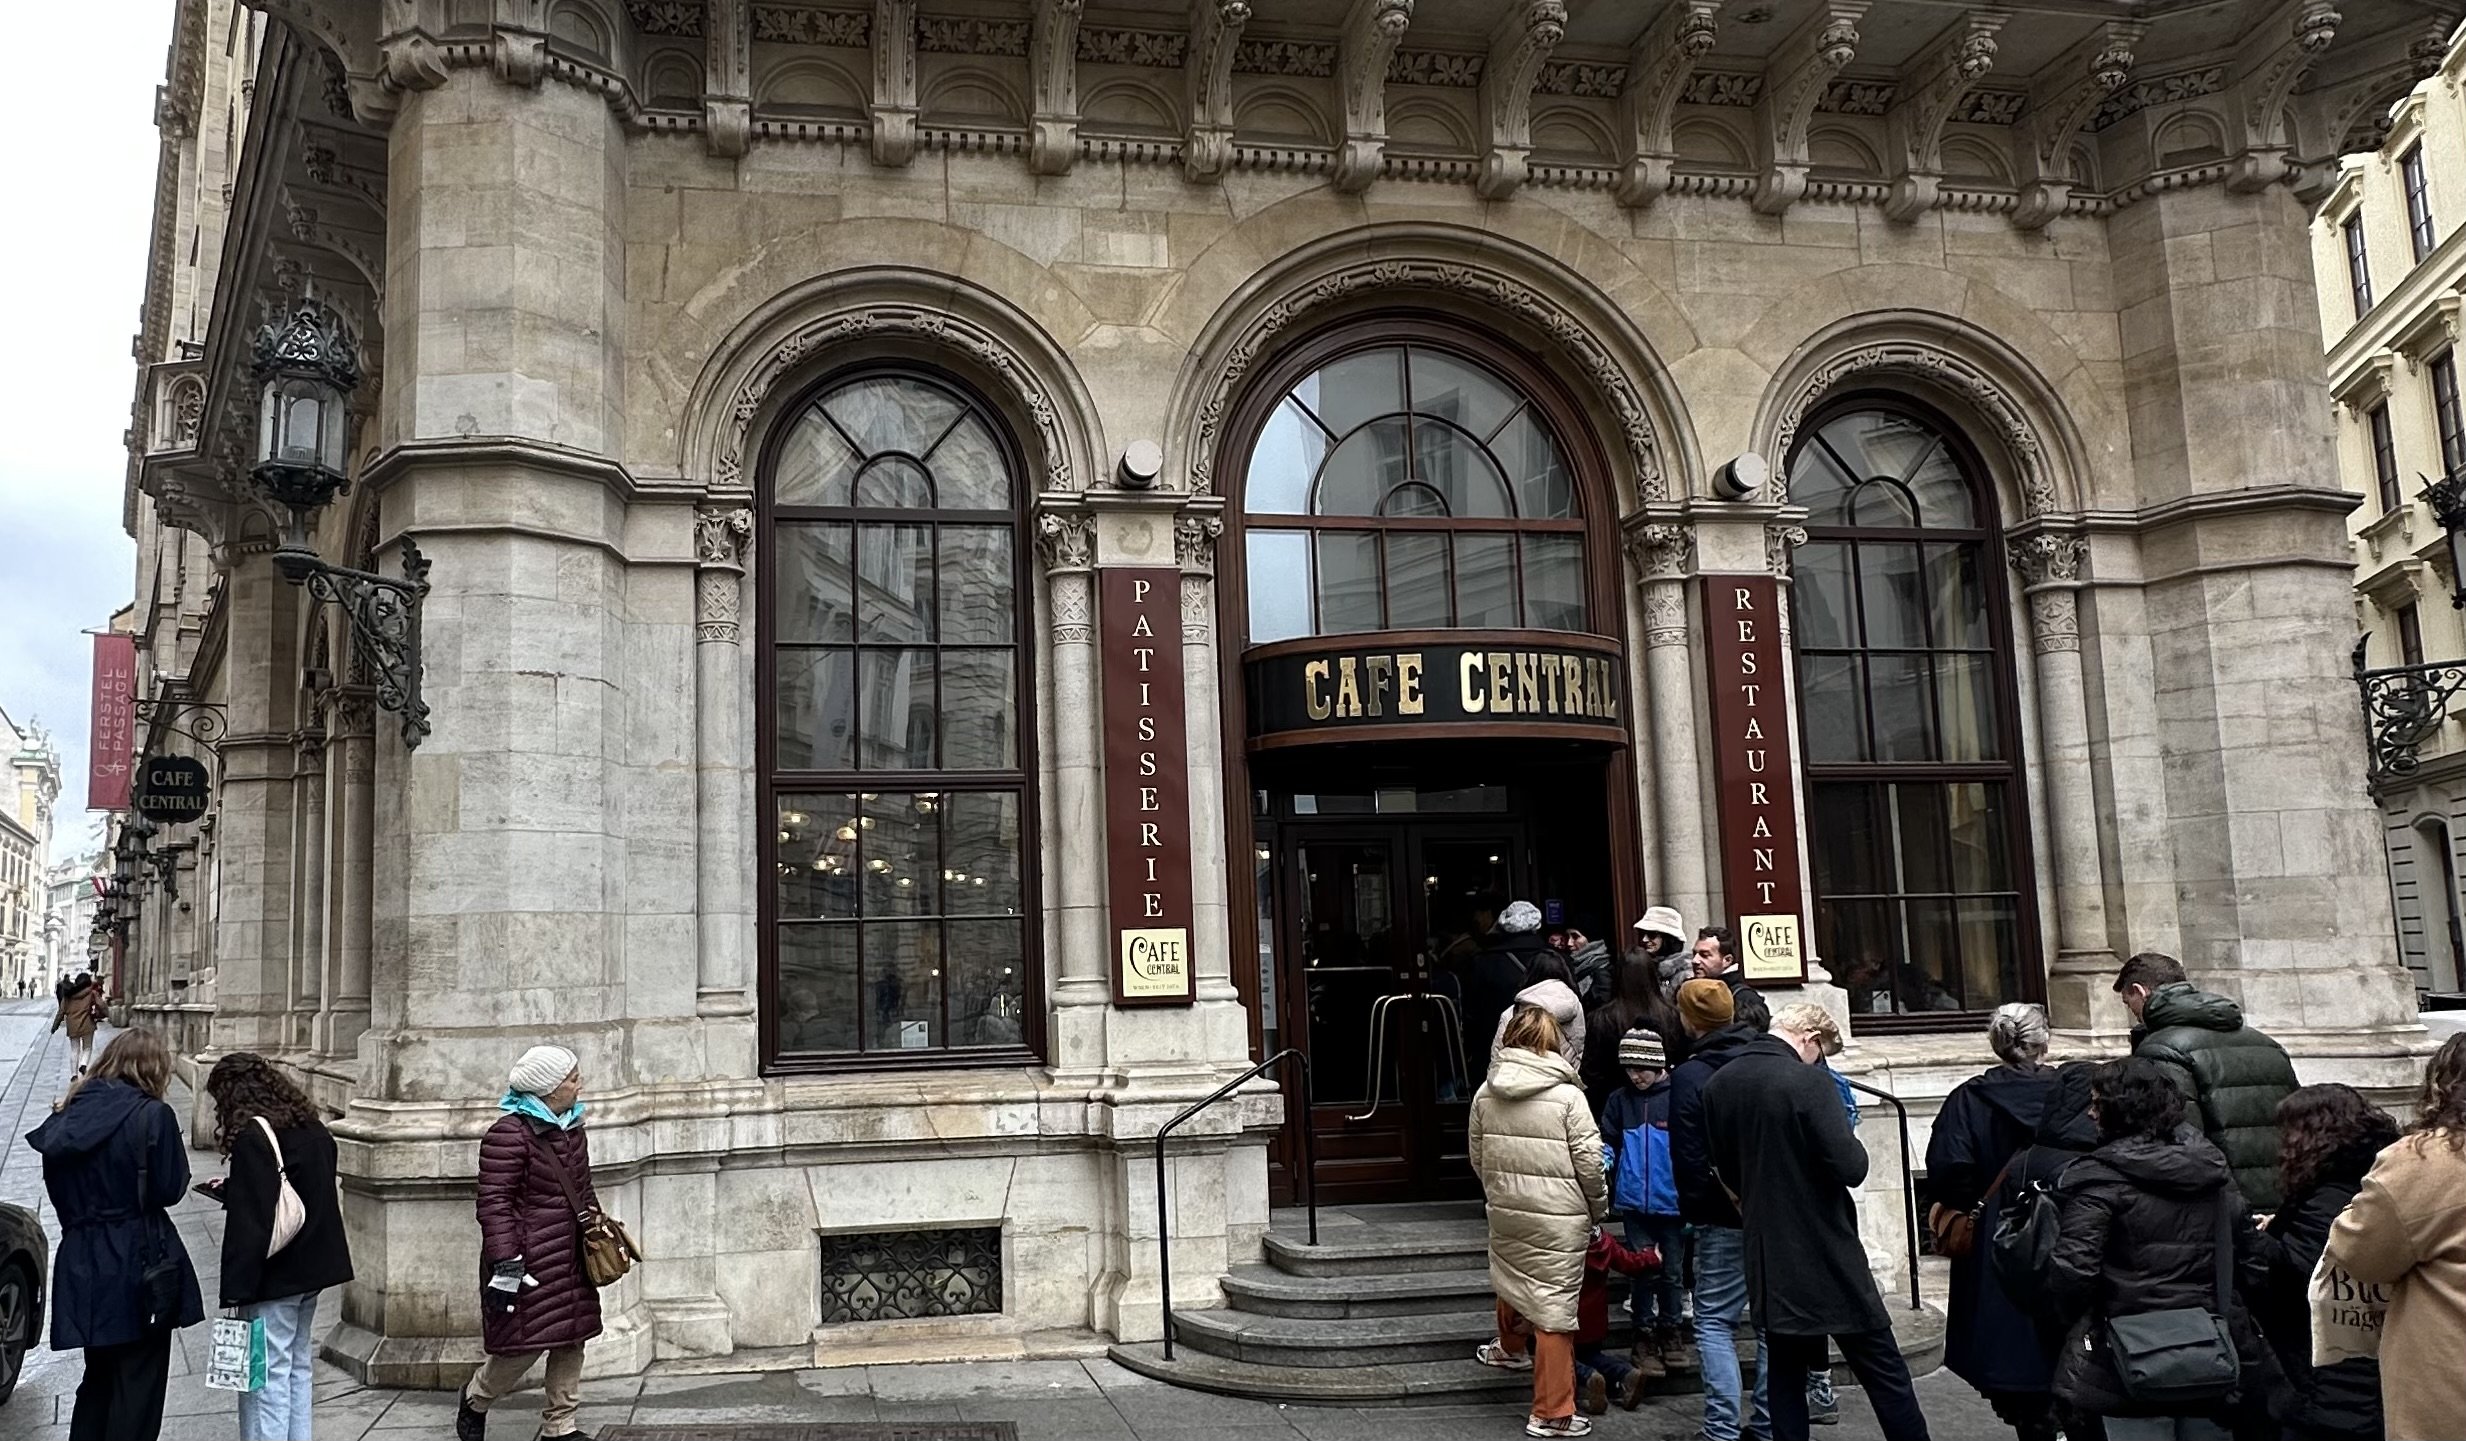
[1146, 786]
[1753, 778]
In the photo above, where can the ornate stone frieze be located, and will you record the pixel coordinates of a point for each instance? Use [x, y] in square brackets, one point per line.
[1932, 88]
[666, 17]
[1944, 369]
[969, 35]
[1857, 97]
[891, 108]
[1158, 49]
[1434, 67]
[1065, 540]
[795, 25]
[1589, 79]
[1215, 37]
[1794, 82]
[2081, 84]
[2155, 90]
[2050, 568]
[1300, 59]
[1517, 49]
[1992, 107]
[1723, 88]
[1660, 70]
[1371, 34]
[1053, 71]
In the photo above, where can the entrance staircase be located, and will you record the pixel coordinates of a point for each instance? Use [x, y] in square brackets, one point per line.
[1385, 1310]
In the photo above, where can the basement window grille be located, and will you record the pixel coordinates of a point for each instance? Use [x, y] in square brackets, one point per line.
[906, 1275]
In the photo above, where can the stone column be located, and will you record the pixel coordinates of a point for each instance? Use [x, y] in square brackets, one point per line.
[720, 756]
[1066, 543]
[1194, 546]
[2050, 570]
[1661, 557]
[308, 934]
[350, 764]
[252, 945]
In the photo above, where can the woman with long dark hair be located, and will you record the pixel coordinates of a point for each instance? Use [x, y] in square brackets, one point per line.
[273, 1137]
[2328, 1137]
[1633, 989]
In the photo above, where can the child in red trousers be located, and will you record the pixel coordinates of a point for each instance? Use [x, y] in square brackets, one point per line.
[1599, 1368]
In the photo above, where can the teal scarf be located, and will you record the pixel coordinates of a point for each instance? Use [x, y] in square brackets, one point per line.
[523, 1103]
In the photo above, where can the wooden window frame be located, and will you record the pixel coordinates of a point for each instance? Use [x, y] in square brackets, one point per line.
[2410, 633]
[2358, 264]
[2418, 185]
[2446, 414]
[2384, 456]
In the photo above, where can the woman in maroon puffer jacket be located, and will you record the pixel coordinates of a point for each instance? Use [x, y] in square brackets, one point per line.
[534, 1300]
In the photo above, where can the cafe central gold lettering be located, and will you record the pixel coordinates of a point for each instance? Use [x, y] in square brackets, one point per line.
[1753, 779]
[1385, 685]
[1146, 784]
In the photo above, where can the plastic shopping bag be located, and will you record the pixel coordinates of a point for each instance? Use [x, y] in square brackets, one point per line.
[2346, 1315]
[235, 1359]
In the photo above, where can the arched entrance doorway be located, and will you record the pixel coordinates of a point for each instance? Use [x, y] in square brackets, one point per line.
[1433, 720]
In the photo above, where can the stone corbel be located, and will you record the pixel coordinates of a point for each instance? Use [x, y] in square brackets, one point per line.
[1657, 71]
[727, 95]
[1793, 82]
[720, 538]
[2061, 99]
[2049, 563]
[1371, 34]
[409, 56]
[891, 110]
[1053, 69]
[2263, 75]
[2433, 330]
[1215, 34]
[1932, 87]
[1517, 49]
[519, 52]
[2369, 384]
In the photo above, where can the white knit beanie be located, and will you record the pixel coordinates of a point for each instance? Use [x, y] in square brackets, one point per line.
[1519, 918]
[542, 1069]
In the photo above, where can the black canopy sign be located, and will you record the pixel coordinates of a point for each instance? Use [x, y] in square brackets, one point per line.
[1527, 682]
[172, 788]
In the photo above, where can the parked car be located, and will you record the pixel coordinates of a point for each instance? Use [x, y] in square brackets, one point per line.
[25, 1264]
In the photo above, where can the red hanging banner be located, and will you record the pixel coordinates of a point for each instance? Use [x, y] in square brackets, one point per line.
[1753, 776]
[112, 754]
[1147, 784]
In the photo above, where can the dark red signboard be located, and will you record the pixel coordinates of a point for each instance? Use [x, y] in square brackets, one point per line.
[1147, 785]
[1754, 781]
[112, 754]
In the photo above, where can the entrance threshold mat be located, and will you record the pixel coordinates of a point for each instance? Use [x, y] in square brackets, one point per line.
[821, 1431]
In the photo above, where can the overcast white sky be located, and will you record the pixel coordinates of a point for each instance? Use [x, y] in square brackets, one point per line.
[78, 172]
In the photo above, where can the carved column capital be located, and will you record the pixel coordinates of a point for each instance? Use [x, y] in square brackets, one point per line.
[1779, 541]
[2050, 569]
[720, 536]
[1194, 543]
[1660, 552]
[1065, 541]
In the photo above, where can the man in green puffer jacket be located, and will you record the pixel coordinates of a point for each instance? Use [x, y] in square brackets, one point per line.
[2232, 1072]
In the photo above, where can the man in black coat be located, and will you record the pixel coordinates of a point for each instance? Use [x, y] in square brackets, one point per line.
[1781, 1142]
[1720, 1247]
[2232, 1073]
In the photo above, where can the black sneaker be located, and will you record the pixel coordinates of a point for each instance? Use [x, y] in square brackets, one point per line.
[469, 1424]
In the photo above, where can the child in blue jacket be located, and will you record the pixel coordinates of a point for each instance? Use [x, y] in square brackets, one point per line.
[1635, 1127]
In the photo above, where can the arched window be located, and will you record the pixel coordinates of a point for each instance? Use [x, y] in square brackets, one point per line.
[1406, 487]
[894, 730]
[1915, 802]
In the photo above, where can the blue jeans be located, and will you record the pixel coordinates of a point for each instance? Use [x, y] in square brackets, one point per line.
[1597, 1357]
[278, 1410]
[1659, 1301]
[1720, 1302]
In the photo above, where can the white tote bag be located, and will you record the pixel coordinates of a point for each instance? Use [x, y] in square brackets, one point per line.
[289, 1214]
[2346, 1314]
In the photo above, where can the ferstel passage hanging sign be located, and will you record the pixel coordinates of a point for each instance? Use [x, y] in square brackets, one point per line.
[1147, 784]
[1448, 682]
[1754, 781]
[111, 756]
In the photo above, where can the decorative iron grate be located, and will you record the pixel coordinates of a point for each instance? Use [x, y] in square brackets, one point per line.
[903, 1275]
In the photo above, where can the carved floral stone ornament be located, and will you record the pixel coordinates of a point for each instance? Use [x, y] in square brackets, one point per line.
[720, 538]
[2050, 570]
[1946, 371]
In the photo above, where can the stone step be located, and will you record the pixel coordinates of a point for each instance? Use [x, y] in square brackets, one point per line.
[1425, 1383]
[1304, 1342]
[1382, 1250]
[1268, 1291]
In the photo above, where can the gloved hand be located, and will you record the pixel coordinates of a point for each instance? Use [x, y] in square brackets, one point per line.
[508, 1276]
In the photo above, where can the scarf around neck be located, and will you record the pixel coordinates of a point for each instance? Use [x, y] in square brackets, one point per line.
[523, 1103]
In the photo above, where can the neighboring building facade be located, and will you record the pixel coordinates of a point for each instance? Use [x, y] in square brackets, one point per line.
[68, 920]
[850, 444]
[2392, 274]
[32, 786]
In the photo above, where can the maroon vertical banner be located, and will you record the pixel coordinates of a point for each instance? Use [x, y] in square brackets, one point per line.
[1147, 785]
[112, 754]
[1753, 779]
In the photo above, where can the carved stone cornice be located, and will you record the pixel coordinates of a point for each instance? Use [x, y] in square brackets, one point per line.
[1215, 38]
[1931, 90]
[1657, 73]
[1053, 71]
[1517, 49]
[727, 86]
[1371, 33]
[2265, 71]
[891, 109]
[1793, 84]
[2061, 101]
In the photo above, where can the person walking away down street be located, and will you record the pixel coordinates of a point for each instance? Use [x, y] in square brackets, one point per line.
[2406, 1232]
[1633, 993]
[1537, 1153]
[273, 1137]
[2140, 1229]
[1600, 1371]
[1719, 1247]
[81, 1010]
[1781, 1143]
[2232, 1073]
[2328, 1137]
[535, 1301]
[1499, 967]
[1635, 1125]
[1716, 959]
[1549, 986]
[1980, 1136]
[114, 1165]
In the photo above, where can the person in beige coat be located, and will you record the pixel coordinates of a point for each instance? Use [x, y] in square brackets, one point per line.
[1538, 1154]
[2406, 1232]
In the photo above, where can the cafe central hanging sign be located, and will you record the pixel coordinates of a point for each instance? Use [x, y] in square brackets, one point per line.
[1753, 777]
[1437, 683]
[1147, 784]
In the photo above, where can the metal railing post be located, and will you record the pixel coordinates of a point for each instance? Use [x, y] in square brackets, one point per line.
[1909, 1179]
[1164, 1204]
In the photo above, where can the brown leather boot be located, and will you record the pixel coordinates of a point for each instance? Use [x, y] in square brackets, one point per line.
[1678, 1351]
[1647, 1357]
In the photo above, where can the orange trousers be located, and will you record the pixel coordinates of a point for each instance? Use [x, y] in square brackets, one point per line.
[1553, 1362]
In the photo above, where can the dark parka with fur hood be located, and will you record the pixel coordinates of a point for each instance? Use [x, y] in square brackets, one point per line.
[2234, 1075]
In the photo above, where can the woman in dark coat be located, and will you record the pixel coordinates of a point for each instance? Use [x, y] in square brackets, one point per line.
[535, 1300]
[115, 1165]
[2066, 1132]
[1985, 1126]
[2328, 1138]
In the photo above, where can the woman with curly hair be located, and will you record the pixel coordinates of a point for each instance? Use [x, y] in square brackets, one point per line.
[2406, 1232]
[2328, 1137]
[274, 1140]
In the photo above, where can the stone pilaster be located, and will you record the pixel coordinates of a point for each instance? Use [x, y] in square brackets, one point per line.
[308, 879]
[720, 741]
[1660, 559]
[252, 912]
[1066, 546]
[2049, 566]
[350, 764]
[1194, 548]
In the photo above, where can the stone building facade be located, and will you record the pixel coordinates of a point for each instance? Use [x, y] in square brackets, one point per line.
[28, 791]
[802, 412]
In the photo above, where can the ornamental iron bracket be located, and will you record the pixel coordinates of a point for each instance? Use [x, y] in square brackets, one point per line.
[385, 624]
[2447, 498]
[2403, 706]
[207, 722]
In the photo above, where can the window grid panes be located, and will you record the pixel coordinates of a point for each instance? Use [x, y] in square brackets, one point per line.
[2358, 265]
[2410, 634]
[896, 791]
[2418, 202]
[2445, 410]
[2384, 458]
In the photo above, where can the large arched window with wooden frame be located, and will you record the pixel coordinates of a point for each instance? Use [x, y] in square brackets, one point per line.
[1916, 807]
[898, 918]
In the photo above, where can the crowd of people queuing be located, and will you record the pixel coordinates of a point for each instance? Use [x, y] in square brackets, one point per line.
[2113, 1226]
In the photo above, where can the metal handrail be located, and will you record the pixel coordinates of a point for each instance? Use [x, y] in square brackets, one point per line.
[1909, 1178]
[1164, 1208]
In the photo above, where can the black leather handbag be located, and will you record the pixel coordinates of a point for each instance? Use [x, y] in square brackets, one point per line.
[2185, 1355]
[2023, 1246]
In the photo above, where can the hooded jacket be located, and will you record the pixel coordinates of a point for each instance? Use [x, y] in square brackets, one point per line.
[2343, 1400]
[1701, 1201]
[2235, 1075]
[1538, 1154]
[1564, 1008]
[1986, 1122]
[1492, 978]
[2407, 1232]
[91, 1151]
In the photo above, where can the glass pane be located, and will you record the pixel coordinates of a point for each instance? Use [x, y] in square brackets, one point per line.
[1835, 708]
[1486, 582]
[982, 853]
[1918, 810]
[1848, 849]
[1455, 465]
[1413, 498]
[1897, 686]
[1348, 581]
[1980, 859]
[1873, 443]
[816, 703]
[897, 709]
[1466, 394]
[902, 848]
[1278, 584]
[1361, 469]
[1956, 598]
[895, 484]
[1285, 461]
[969, 470]
[815, 465]
[817, 856]
[903, 978]
[988, 984]
[1827, 617]
[1544, 490]
[1554, 582]
[1990, 939]
[811, 602]
[1888, 586]
[977, 585]
[817, 987]
[980, 710]
[1357, 388]
[1943, 492]
[1819, 484]
[892, 413]
[1858, 940]
[1965, 700]
[1417, 583]
[894, 582]
[1882, 504]
[1930, 978]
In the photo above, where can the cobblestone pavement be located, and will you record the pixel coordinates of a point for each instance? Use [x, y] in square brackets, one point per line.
[1058, 1400]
